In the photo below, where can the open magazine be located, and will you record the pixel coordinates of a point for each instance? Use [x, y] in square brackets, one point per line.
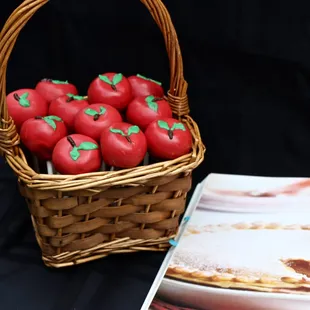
[243, 244]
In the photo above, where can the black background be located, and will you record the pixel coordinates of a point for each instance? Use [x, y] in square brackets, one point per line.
[248, 68]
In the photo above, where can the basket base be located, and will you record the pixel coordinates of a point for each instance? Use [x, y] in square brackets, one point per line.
[77, 227]
[117, 246]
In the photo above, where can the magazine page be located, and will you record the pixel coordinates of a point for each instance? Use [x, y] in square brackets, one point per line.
[246, 247]
[195, 199]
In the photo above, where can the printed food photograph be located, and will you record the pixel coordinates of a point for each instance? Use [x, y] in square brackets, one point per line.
[232, 193]
[256, 256]
[158, 304]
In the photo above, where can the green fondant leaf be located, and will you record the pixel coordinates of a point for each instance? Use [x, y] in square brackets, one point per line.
[119, 131]
[90, 112]
[178, 126]
[54, 118]
[153, 106]
[23, 101]
[75, 154]
[24, 95]
[105, 79]
[51, 120]
[149, 98]
[102, 110]
[151, 103]
[163, 125]
[117, 78]
[75, 97]
[133, 129]
[142, 77]
[59, 82]
[148, 79]
[156, 82]
[87, 146]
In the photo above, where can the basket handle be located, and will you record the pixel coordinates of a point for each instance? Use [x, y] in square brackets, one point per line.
[177, 94]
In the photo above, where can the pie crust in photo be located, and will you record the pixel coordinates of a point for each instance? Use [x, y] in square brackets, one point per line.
[254, 256]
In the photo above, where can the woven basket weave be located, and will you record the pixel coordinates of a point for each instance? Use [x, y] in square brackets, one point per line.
[85, 217]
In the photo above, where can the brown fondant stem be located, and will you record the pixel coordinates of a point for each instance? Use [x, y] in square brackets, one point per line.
[16, 97]
[71, 141]
[170, 134]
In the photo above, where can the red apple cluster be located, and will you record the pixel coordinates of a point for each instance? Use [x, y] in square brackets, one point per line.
[119, 121]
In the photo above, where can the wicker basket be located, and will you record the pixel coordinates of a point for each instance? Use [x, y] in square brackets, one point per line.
[85, 217]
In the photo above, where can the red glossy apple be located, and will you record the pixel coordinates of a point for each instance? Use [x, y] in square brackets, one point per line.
[123, 145]
[168, 138]
[112, 89]
[40, 135]
[143, 86]
[67, 107]
[92, 120]
[53, 89]
[142, 111]
[24, 104]
[76, 154]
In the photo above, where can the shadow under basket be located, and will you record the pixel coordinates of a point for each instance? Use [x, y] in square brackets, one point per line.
[80, 218]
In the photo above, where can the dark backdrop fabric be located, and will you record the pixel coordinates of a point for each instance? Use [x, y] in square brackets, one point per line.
[248, 68]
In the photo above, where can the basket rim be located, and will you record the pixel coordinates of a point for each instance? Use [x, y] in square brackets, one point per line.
[133, 176]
